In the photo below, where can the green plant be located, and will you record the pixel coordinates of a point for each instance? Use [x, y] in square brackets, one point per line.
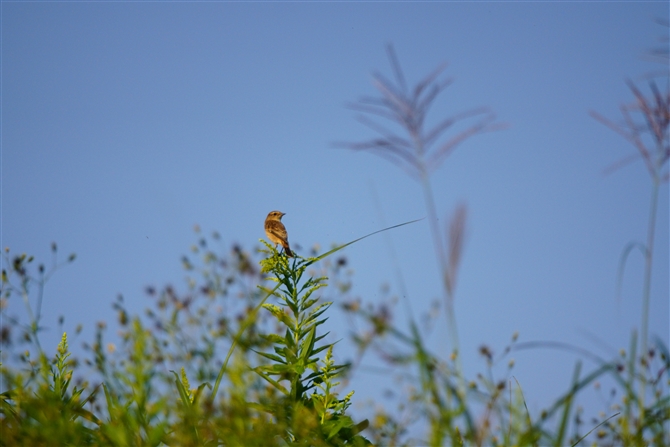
[140, 406]
[445, 398]
[305, 383]
[420, 151]
[43, 405]
[646, 125]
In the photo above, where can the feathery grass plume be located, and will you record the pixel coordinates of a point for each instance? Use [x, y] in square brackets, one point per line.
[414, 147]
[646, 125]
[643, 118]
[420, 150]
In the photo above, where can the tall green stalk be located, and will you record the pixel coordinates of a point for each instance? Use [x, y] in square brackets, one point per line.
[442, 263]
[655, 112]
[646, 292]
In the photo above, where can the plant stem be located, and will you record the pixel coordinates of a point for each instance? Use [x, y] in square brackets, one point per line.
[434, 229]
[646, 292]
[442, 265]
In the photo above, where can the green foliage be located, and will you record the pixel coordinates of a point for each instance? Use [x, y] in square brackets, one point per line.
[294, 369]
[43, 406]
[440, 394]
[279, 383]
[277, 389]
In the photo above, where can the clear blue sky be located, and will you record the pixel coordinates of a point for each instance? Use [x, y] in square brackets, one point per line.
[124, 124]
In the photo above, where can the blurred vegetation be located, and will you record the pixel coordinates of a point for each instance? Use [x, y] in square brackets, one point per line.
[277, 386]
[166, 381]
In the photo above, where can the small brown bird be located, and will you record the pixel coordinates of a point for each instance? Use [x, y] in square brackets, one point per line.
[276, 231]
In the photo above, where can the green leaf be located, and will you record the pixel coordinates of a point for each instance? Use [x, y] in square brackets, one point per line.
[274, 383]
[318, 311]
[274, 338]
[184, 393]
[276, 358]
[307, 346]
[198, 392]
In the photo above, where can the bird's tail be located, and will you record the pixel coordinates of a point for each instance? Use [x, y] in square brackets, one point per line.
[288, 251]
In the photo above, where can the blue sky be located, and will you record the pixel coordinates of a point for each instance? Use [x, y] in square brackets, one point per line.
[124, 124]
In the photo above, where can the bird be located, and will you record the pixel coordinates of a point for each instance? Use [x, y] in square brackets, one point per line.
[276, 231]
